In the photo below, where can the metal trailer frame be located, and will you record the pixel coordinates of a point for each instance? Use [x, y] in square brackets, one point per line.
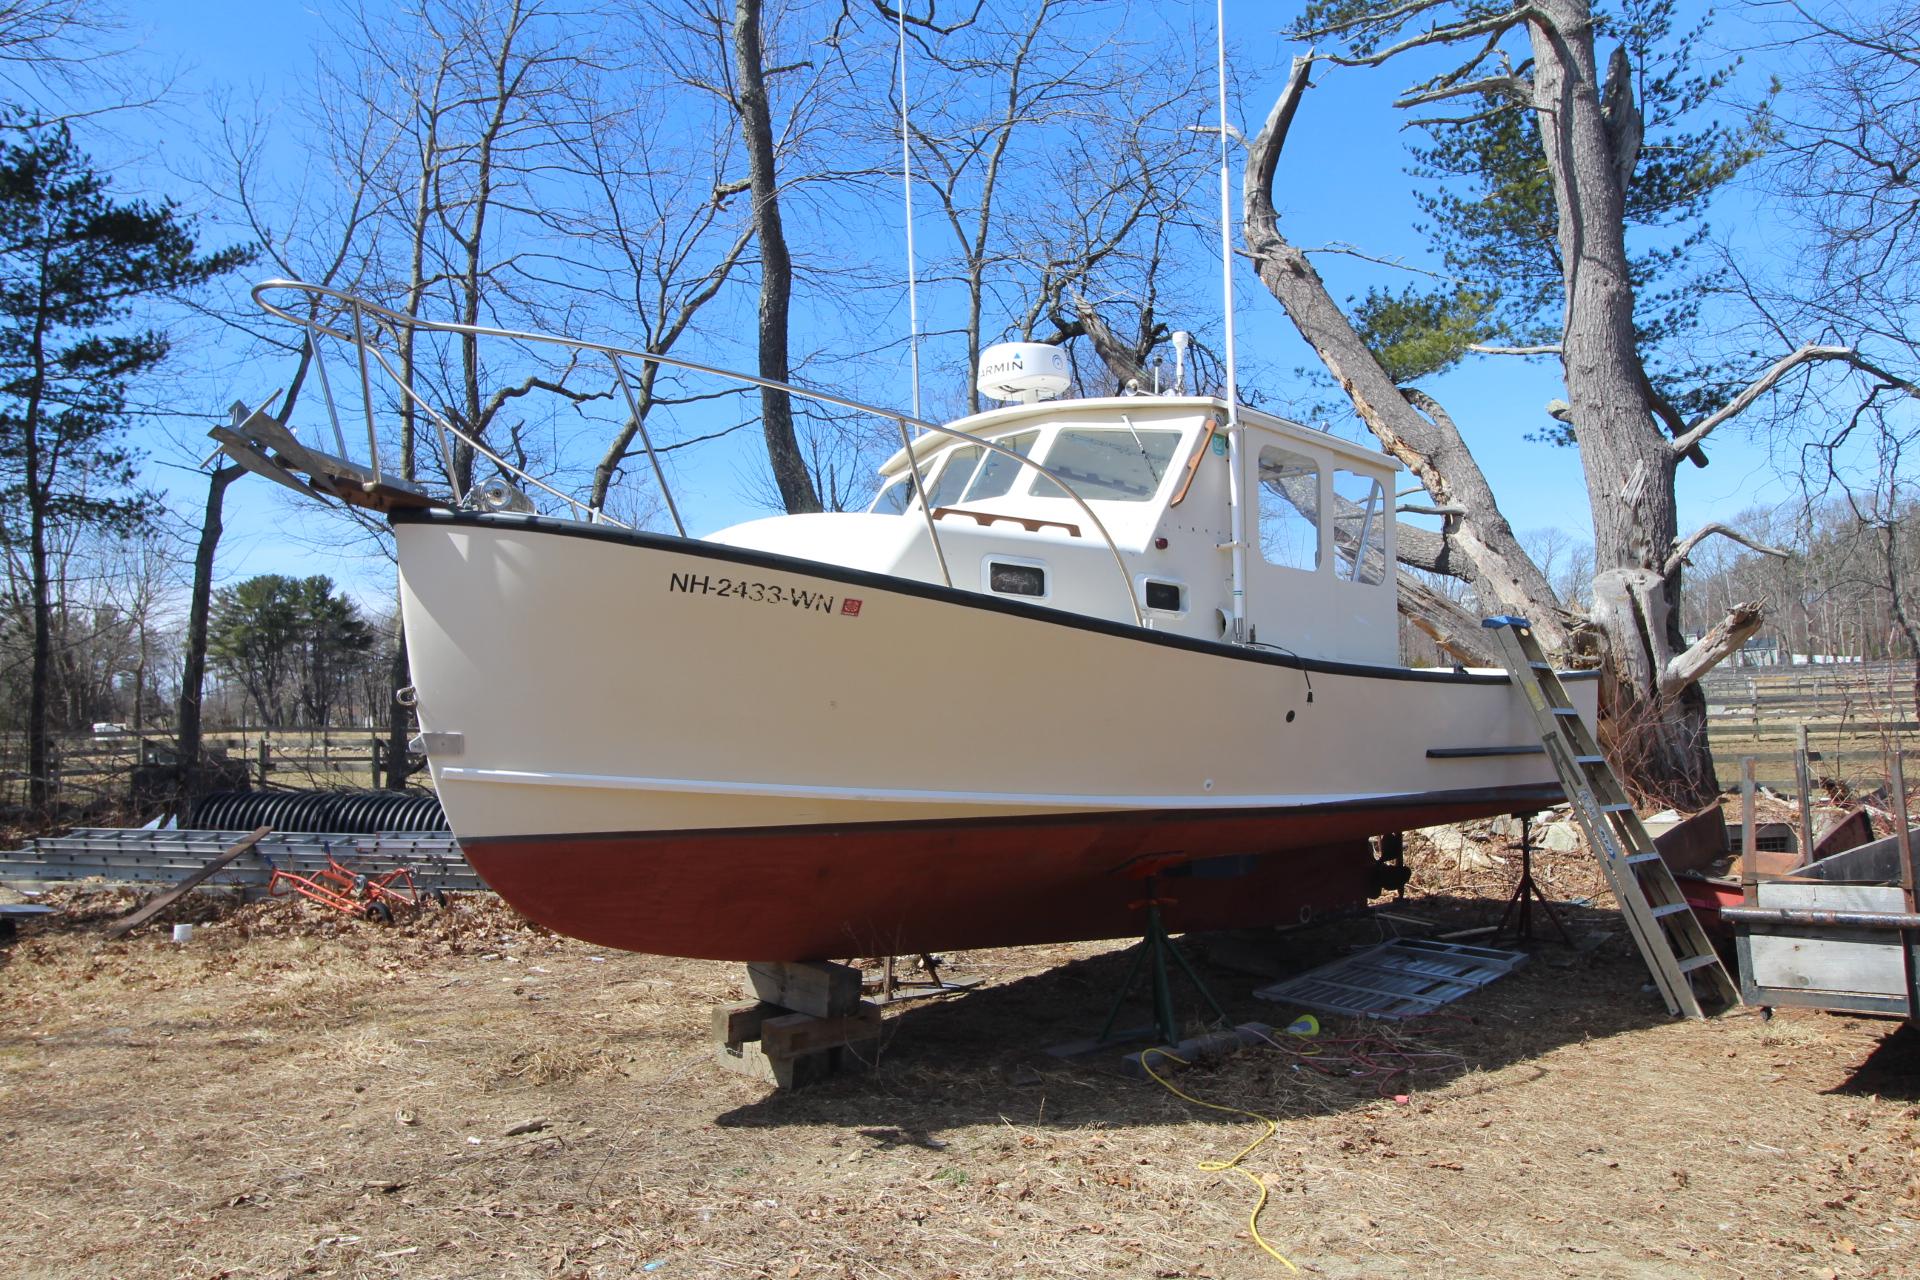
[1840, 934]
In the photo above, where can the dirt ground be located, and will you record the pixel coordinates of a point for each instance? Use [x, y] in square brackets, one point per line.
[463, 1095]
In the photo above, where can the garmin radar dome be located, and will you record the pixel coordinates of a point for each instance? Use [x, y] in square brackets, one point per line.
[1028, 372]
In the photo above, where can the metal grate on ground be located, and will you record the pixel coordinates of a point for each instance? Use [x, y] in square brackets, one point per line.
[144, 856]
[1399, 979]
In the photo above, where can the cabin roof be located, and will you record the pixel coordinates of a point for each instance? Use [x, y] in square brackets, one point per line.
[996, 422]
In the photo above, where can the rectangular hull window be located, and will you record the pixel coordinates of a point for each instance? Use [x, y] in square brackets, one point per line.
[1017, 579]
[1165, 596]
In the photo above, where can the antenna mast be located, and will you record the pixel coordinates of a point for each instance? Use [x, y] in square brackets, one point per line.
[1236, 498]
[906, 187]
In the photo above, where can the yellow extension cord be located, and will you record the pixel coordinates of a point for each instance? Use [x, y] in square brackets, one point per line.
[1221, 1166]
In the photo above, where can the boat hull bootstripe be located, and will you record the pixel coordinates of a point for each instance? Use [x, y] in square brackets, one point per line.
[1002, 799]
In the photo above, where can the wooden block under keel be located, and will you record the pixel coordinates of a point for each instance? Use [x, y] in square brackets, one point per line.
[798, 1033]
[820, 988]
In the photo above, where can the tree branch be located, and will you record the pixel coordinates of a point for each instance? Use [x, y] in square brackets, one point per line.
[1423, 548]
[1264, 155]
[1684, 444]
[1447, 624]
[1505, 83]
[1479, 546]
[1542, 349]
[1445, 33]
[1683, 547]
[1720, 643]
[1391, 18]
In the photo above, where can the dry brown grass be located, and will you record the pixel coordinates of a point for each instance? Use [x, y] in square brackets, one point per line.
[293, 1095]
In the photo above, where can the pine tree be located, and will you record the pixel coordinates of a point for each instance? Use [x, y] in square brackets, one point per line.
[74, 266]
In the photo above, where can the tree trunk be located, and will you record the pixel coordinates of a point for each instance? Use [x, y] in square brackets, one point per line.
[39, 734]
[399, 717]
[1480, 544]
[1124, 361]
[776, 265]
[1655, 735]
[193, 667]
[40, 679]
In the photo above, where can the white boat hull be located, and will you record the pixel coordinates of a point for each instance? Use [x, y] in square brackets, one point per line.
[685, 748]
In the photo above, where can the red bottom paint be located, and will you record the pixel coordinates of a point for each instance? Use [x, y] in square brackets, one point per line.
[820, 892]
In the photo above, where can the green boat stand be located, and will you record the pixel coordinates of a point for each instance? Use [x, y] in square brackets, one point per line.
[1153, 950]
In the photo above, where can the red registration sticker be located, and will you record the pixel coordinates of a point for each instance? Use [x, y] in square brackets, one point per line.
[850, 607]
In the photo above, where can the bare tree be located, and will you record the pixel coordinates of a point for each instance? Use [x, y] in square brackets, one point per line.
[1590, 132]
[667, 213]
[1056, 146]
[1845, 141]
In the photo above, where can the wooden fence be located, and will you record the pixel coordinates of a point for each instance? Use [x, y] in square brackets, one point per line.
[1854, 716]
[100, 767]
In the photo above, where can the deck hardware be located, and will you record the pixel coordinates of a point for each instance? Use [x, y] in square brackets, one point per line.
[985, 518]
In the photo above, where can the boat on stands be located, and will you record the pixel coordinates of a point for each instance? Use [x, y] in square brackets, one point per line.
[1076, 653]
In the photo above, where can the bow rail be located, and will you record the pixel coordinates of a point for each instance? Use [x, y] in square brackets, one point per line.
[370, 329]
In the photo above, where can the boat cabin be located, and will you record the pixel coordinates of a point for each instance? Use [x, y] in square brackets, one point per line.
[1156, 474]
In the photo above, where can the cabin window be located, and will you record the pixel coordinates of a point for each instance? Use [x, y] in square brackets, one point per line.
[997, 471]
[1167, 597]
[1359, 528]
[1289, 509]
[1012, 578]
[954, 476]
[1120, 465]
[895, 496]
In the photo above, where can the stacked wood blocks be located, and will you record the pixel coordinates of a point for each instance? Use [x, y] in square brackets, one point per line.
[808, 1022]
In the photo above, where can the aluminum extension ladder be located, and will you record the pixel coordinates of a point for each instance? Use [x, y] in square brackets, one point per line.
[1685, 966]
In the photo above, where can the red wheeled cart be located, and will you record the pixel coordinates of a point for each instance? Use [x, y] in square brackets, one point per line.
[355, 893]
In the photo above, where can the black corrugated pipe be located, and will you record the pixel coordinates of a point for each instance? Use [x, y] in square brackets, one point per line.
[358, 813]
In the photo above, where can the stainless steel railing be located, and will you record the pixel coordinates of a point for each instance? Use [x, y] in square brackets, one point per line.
[367, 323]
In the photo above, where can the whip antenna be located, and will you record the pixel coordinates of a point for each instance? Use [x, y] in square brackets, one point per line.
[1236, 545]
[1226, 202]
[906, 187]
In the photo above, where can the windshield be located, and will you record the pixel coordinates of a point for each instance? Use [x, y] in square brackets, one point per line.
[895, 496]
[998, 472]
[954, 476]
[1118, 464]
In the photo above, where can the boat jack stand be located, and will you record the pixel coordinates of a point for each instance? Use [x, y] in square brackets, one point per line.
[1520, 905]
[1152, 950]
[894, 988]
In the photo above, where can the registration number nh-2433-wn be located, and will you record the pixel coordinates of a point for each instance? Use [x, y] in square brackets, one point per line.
[701, 584]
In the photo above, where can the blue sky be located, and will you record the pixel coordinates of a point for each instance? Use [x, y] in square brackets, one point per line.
[1343, 181]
